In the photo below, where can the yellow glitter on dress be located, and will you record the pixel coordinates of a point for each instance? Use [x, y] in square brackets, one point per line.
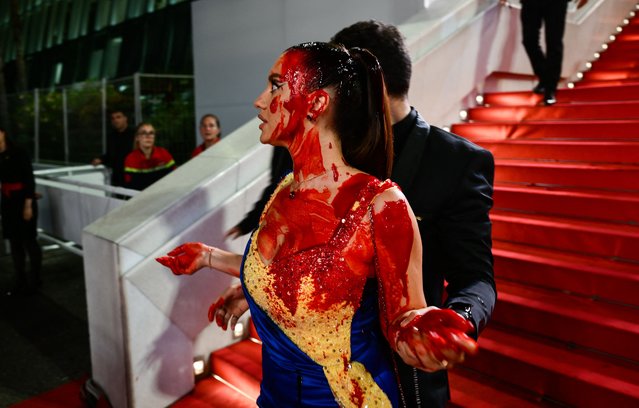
[321, 333]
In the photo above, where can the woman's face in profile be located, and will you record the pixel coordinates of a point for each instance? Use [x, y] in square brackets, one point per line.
[209, 129]
[282, 105]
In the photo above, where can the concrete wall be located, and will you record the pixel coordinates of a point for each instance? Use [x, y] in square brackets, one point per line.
[236, 42]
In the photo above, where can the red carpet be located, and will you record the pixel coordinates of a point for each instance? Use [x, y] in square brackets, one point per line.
[66, 396]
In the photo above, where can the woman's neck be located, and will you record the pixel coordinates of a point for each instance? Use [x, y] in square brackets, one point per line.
[147, 151]
[321, 155]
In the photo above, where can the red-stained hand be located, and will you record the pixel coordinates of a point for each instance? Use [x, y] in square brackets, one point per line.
[187, 258]
[435, 339]
[229, 307]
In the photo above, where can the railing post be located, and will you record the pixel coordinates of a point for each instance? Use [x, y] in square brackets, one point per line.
[65, 124]
[136, 98]
[104, 114]
[36, 125]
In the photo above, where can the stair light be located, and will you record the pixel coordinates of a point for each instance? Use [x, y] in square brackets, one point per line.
[619, 29]
[626, 21]
[612, 38]
[580, 75]
[238, 332]
[198, 366]
[596, 55]
[604, 46]
[570, 85]
[463, 115]
[479, 99]
[632, 14]
[446, 128]
[588, 65]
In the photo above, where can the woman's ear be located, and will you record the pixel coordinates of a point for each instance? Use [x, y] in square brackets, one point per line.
[318, 103]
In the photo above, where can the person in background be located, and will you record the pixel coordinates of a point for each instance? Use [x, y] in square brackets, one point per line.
[333, 272]
[546, 65]
[147, 163]
[20, 214]
[119, 144]
[210, 131]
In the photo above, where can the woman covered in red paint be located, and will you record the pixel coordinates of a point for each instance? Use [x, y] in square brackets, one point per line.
[332, 274]
[147, 163]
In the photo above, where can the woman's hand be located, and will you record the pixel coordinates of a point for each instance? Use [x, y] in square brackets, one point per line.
[433, 339]
[187, 258]
[229, 307]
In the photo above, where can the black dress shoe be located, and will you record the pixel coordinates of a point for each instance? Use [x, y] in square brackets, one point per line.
[539, 89]
[549, 98]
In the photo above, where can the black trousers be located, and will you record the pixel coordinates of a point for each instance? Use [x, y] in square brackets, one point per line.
[552, 15]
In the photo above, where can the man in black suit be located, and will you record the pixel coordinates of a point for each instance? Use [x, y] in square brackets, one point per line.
[546, 66]
[448, 183]
[119, 145]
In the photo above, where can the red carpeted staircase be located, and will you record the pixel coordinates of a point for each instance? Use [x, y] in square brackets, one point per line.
[565, 331]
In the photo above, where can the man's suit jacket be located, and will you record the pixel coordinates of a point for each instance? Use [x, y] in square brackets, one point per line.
[448, 183]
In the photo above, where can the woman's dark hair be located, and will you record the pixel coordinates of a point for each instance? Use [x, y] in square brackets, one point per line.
[361, 115]
[215, 118]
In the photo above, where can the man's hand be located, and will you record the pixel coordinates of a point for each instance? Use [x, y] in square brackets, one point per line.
[187, 258]
[97, 161]
[229, 307]
[434, 339]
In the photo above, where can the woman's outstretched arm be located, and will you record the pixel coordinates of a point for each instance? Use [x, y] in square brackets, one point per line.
[189, 258]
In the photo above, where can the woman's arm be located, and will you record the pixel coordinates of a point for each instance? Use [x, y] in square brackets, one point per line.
[425, 337]
[189, 258]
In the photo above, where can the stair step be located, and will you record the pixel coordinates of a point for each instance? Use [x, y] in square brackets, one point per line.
[585, 237]
[212, 392]
[583, 274]
[608, 82]
[578, 203]
[602, 326]
[610, 75]
[470, 389]
[615, 63]
[555, 129]
[582, 110]
[240, 364]
[555, 372]
[580, 94]
[565, 150]
[624, 177]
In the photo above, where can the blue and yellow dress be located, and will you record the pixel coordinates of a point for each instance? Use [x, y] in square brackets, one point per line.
[319, 322]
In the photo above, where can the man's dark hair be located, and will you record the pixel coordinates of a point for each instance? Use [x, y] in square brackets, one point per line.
[387, 44]
[118, 109]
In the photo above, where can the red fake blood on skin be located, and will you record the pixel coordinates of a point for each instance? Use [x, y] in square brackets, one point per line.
[438, 326]
[335, 172]
[274, 104]
[394, 241]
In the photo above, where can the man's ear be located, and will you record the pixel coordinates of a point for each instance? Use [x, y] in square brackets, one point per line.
[318, 103]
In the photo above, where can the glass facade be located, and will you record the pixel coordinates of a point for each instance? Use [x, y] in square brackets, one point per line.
[69, 41]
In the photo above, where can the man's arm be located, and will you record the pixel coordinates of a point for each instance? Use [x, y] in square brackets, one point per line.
[466, 237]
